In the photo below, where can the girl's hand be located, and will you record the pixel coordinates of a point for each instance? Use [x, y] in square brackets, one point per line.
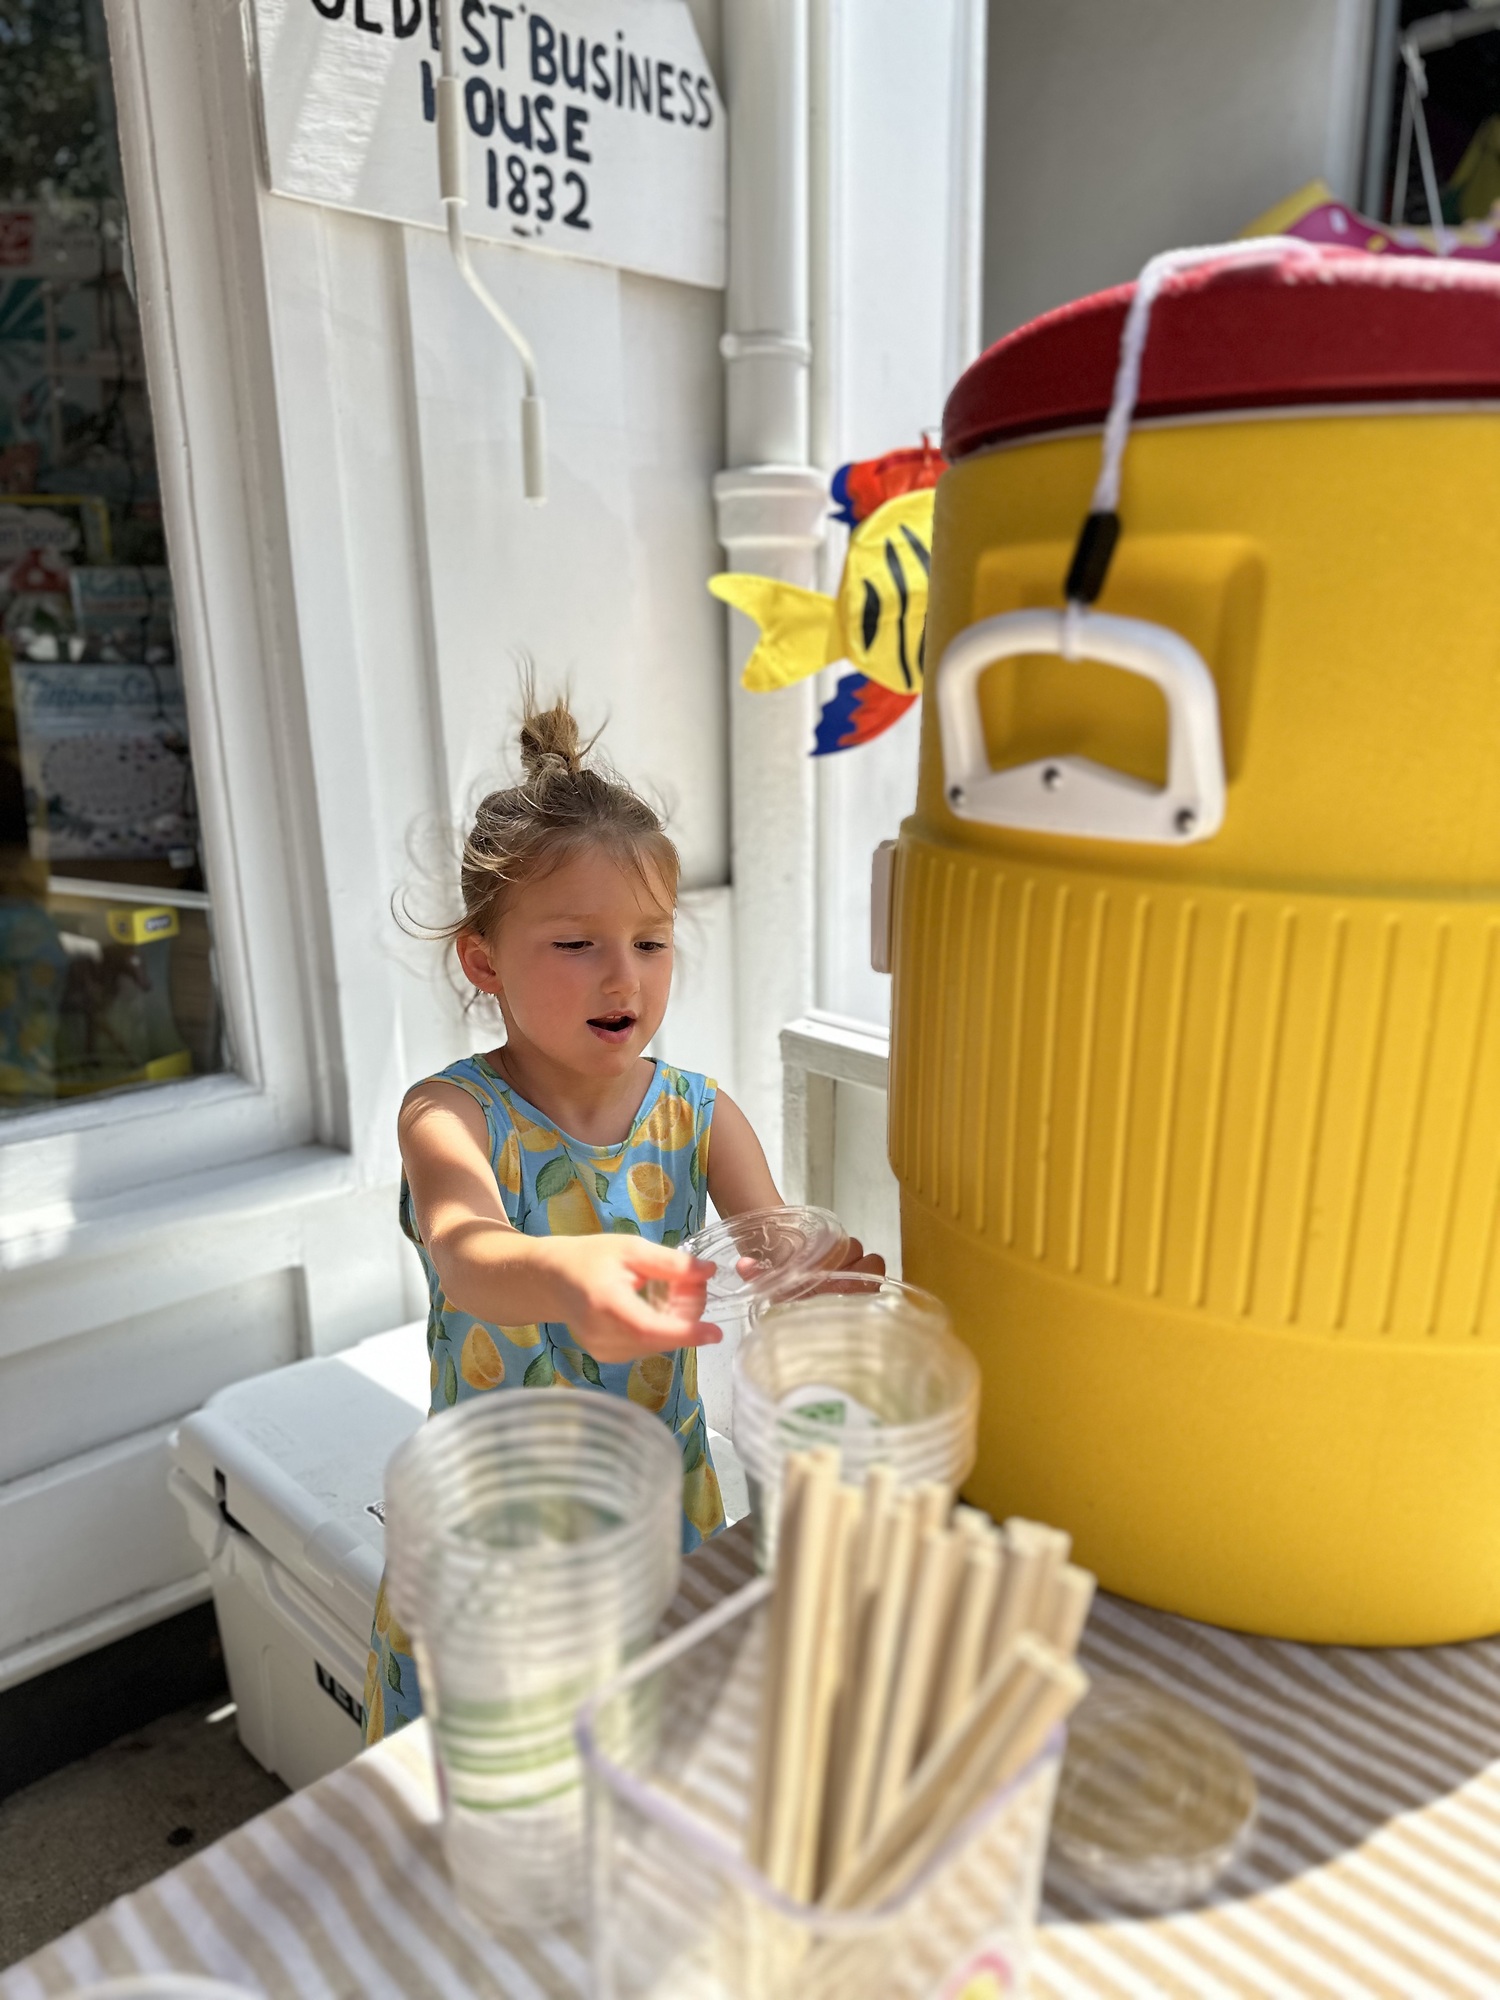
[603, 1277]
[857, 1258]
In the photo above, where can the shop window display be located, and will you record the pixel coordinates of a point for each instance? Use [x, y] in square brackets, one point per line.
[106, 943]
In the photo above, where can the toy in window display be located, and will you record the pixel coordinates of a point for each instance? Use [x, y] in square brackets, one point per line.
[877, 618]
[33, 969]
[116, 1024]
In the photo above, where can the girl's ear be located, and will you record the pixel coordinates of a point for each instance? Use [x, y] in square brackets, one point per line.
[478, 965]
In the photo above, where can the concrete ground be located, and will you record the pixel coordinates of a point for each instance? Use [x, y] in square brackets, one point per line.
[94, 1830]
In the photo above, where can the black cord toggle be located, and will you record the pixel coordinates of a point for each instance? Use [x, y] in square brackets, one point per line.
[1091, 558]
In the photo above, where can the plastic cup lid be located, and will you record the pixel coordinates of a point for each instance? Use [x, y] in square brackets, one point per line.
[767, 1253]
[1155, 1800]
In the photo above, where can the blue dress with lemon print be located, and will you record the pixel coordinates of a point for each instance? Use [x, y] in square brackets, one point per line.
[655, 1185]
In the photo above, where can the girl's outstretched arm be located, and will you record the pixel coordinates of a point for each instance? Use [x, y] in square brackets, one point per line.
[739, 1177]
[490, 1269]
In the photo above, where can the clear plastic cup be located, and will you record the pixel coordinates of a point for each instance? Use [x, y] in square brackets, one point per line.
[866, 1364]
[533, 1541]
[759, 1257]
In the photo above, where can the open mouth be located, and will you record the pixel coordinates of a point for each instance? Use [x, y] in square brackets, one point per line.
[612, 1027]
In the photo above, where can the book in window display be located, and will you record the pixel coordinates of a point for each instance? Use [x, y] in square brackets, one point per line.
[123, 611]
[104, 761]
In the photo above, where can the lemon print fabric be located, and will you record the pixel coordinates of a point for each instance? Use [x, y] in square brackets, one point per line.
[653, 1185]
[480, 1362]
[651, 1190]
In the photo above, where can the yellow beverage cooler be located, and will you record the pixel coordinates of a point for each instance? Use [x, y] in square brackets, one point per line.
[1195, 933]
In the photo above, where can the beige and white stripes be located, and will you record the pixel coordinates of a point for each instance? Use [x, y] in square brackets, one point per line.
[1374, 1875]
[1375, 1871]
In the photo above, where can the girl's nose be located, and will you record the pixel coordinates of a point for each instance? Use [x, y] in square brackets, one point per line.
[620, 973]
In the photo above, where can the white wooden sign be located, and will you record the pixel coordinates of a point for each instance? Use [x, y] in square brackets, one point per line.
[594, 126]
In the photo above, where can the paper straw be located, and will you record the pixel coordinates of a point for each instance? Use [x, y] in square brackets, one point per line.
[938, 1567]
[834, 1601]
[1034, 1555]
[801, 1634]
[968, 1635]
[933, 1504]
[866, 1569]
[1063, 1619]
[975, 1523]
[757, 1839]
[872, 1689]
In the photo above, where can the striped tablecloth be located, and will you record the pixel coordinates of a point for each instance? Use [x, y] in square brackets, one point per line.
[1375, 1873]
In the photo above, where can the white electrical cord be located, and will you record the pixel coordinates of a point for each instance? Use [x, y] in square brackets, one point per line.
[450, 135]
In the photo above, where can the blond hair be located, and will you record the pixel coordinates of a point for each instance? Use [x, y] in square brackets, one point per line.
[564, 804]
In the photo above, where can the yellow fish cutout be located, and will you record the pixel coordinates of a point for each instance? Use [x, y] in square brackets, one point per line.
[877, 621]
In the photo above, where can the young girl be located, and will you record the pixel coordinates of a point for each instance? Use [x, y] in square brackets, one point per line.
[548, 1182]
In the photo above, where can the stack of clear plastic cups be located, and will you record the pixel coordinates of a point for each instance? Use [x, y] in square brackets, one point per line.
[866, 1364]
[760, 1257]
[532, 1543]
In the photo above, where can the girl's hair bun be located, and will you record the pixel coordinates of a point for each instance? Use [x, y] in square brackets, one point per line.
[550, 741]
[563, 805]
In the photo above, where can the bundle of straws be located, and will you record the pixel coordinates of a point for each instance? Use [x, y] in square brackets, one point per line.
[919, 1658]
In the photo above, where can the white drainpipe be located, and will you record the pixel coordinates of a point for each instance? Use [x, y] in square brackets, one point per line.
[772, 506]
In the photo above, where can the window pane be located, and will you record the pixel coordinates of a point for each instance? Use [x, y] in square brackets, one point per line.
[106, 940]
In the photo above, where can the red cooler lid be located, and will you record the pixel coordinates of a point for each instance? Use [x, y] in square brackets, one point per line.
[1313, 326]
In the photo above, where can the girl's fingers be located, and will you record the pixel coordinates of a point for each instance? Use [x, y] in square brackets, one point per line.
[655, 1260]
[650, 1329]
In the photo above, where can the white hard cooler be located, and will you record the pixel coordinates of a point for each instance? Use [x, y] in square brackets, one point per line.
[282, 1478]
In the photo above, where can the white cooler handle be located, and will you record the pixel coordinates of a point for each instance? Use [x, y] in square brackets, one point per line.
[1074, 795]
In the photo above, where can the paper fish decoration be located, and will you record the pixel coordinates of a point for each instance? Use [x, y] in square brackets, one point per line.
[877, 619]
[861, 710]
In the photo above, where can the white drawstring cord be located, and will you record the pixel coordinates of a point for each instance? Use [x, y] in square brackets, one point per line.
[1133, 343]
[1100, 531]
[450, 131]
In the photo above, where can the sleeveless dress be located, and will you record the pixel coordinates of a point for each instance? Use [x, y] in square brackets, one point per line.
[655, 1185]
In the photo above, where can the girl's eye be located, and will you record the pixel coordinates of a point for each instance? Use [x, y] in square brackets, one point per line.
[571, 944]
[650, 944]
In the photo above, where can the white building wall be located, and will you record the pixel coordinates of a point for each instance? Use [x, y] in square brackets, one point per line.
[1118, 128]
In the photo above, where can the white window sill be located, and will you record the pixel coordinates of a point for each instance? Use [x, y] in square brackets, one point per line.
[101, 1228]
[835, 1046]
[135, 1101]
[107, 1155]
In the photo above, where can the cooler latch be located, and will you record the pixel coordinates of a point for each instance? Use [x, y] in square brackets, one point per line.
[221, 1495]
[882, 881]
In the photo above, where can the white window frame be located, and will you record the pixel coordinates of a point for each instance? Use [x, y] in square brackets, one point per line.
[192, 175]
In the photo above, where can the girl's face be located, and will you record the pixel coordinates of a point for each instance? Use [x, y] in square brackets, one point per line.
[580, 962]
